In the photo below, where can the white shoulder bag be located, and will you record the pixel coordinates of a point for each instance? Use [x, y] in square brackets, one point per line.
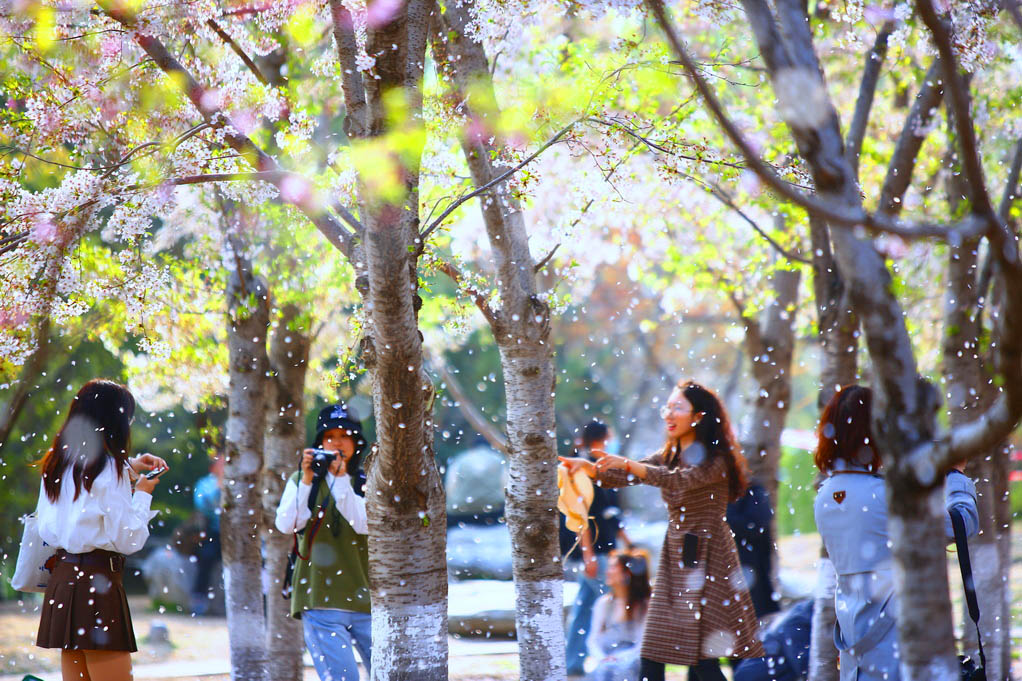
[30, 572]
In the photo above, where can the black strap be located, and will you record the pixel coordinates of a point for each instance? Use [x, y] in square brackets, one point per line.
[962, 542]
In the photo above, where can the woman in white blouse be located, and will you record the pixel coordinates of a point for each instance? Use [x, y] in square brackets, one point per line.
[87, 510]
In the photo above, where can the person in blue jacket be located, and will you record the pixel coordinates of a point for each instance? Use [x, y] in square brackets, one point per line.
[851, 515]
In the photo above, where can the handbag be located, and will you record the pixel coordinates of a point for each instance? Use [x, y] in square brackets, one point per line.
[969, 670]
[31, 572]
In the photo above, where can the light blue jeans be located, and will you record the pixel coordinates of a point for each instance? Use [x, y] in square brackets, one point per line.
[581, 617]
[331, 636]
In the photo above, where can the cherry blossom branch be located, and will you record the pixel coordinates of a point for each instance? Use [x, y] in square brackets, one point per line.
[867, 91]
[236, 48]
[356, 121]
[495, 181]
[848, 216]
[906, 150]
[542, 263]
[295, 189]
[477, 297]
[480, 423]
[960, 100]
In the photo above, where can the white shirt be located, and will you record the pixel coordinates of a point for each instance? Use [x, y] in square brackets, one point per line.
[293, 510]
[107, 517]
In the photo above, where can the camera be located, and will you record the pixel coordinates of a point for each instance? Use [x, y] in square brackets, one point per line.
[321, 460]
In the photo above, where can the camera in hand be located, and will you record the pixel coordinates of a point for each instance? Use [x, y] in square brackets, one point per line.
[321, 460]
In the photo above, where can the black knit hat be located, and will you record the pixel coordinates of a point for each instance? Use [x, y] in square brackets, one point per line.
[343, 417]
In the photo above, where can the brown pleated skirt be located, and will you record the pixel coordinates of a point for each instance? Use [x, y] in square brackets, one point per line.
[85, 607]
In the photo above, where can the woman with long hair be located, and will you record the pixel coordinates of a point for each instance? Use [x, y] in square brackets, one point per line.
[851, 515]
[88, 512]
[619, 617]
[700, 609]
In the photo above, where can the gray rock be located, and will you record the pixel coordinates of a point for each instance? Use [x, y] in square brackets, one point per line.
[475, 482]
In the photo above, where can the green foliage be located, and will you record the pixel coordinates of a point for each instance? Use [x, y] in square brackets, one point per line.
[796, 494]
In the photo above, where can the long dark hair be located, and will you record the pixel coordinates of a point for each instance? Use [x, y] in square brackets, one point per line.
[714, 433]
[845, 429]
[635, 565]
[97, 428]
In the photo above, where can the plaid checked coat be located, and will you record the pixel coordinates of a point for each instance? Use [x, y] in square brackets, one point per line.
[702, 611]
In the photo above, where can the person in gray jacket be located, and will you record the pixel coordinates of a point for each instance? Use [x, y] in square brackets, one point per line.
[851, 515]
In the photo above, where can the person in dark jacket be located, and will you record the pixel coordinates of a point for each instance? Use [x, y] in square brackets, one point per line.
[786, 643]
[749, 517]
[594, 544]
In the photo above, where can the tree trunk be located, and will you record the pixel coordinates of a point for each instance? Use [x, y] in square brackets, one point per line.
[838, 339]
[969, 393]
[405, 495]
[521, 329]
[404, 491]
[838, 326]
[285, 438]
[904, 411]
[771, 346]
[990, 551]
[241, 522]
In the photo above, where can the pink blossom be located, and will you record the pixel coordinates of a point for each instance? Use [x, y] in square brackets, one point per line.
[44, 230]
[110, 46]
[295, 189]
[244, 120]
[876, 14]
[211, 99]
[165, 193]
[110, 109]
[381, 12]
[477, 130]
[12, 319]
[750, 183]
[517, 140]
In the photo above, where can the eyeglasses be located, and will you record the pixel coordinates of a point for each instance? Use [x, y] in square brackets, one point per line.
[669, 409]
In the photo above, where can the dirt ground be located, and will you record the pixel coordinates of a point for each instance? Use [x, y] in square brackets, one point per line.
[199, 646]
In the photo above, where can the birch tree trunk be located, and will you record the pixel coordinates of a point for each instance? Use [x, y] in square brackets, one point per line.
[241, 521]
[285, 438]
[404, 494]
[770, 345]
[968, 390]
[521, 330]
[837, 332]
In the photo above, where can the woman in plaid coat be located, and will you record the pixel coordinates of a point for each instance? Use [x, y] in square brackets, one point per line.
[700, 610]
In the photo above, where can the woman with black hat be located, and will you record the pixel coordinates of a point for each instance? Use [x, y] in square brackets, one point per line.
[323, 506]
[87, 510]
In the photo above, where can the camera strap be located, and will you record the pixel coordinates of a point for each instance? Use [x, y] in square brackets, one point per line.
[295, 554]
[965, 564]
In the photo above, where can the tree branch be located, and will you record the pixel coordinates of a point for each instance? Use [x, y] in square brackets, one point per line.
[29, 373]
[295, 189]
[477, 297]
[960, 101]
[906, 151]
[867, 91]
[844, 215]
[226, 37]
[480, 423]
[542, 263]
[356, 121]
[495, 181]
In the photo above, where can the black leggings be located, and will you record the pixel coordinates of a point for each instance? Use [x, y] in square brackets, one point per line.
[706, 670]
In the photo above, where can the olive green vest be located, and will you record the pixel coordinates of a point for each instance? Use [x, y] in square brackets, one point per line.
[336, 574]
